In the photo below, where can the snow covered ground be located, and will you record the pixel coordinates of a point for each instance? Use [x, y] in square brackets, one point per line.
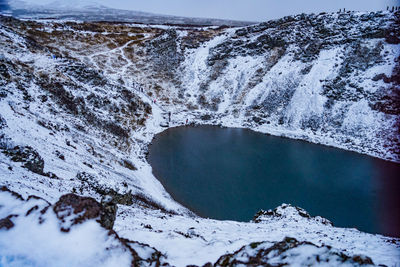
[77, 113]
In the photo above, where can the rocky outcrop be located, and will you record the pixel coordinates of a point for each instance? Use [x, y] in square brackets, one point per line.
[28, 156]
[6, 222]
[89, 182]
[72, 209]
[287, 252]
[288, 212]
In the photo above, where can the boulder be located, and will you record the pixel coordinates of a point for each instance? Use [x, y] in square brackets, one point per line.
[72, 209]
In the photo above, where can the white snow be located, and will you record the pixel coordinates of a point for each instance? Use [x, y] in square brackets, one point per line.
[30, 243]
[209, 239]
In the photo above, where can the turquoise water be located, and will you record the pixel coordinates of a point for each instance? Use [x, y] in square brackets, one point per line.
[229, 173]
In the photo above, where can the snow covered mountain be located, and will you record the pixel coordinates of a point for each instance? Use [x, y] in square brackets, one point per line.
[77, 114]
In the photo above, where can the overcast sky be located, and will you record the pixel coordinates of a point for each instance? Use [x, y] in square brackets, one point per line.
[250, 10]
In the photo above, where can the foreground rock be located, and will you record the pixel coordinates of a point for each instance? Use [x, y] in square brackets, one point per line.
[72, 209]
[75, 231]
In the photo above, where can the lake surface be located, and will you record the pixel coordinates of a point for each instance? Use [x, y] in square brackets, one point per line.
[229, 173]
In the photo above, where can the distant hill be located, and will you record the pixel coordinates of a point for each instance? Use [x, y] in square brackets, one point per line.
[90, 11]
[4, 6]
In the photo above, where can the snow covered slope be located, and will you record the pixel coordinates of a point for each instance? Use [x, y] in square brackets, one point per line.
[77, 113]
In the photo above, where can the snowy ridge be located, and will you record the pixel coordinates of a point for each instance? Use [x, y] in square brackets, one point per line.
[80, 102]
